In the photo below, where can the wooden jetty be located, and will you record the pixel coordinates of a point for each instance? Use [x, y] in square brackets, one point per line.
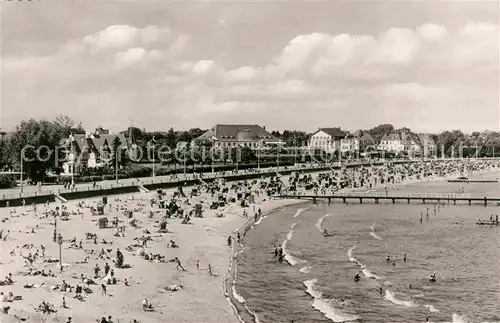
[472, 181]
[480, 222]
[377, 197]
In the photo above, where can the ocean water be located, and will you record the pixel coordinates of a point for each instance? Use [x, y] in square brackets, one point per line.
[315, 283]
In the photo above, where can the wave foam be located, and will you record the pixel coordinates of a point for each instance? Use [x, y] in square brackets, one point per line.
[288, 257]
[363, 268]
[391, 297]
[299, 211]
[459, 319]
[431, 308]
[305, 270]
[260, 220]
[373, 234]
[237, 296]
[324, 307]
[320, 222]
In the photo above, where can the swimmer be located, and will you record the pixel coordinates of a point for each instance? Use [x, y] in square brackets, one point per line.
[388, 258]
[357, 277]
[381, 291]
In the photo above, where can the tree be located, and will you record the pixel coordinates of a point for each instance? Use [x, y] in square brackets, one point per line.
[379, 131]
[37, 142]
[66, 126]
[171, 138]
[4, 151]
[118, 152]
[294, 138]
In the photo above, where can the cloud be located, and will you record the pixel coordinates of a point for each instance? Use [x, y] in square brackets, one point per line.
[119, 36]
[318, 76]
[432, 33]
[135, 55]
[203, 67]
[113, 36]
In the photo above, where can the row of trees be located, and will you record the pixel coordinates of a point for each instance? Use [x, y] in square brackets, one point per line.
[48, 134]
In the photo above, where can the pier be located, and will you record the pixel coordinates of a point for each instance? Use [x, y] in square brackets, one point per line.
[408, 198]
[472, 181]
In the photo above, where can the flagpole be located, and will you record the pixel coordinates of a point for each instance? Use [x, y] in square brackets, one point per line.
[153, 158]
[212, 155]
[258, 155]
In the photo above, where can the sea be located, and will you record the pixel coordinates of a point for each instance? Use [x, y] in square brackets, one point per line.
[315, 282]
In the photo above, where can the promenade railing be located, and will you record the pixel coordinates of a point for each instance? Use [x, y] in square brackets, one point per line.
[130, 182]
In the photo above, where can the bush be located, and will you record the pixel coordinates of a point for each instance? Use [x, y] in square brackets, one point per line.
[7, 181]
[134, 171]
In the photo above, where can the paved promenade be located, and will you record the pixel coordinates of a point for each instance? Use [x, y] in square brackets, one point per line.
[29, 191]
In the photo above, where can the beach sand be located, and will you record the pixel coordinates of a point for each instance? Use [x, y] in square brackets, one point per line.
[205, 240]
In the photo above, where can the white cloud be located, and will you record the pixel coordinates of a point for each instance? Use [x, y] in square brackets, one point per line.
[397, 70]
[396, 46]
[113, 36]
[203, 67]
[243, 73]
[432, 32]
[120, 36]
[151, 34]
[131, 56]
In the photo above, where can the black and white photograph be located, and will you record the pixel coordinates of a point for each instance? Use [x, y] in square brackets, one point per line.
[249, 161]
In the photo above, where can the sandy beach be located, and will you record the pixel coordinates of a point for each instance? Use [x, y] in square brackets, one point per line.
[193, 295]
[203, 242]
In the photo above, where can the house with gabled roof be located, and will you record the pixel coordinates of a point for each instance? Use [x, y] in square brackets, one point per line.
[391, 142]
[228, 136]
[358, 141]
[327, 139]
[401, 141]
[90, 150]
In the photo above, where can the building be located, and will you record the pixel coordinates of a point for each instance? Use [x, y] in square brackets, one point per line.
[401, 141]
[359, 141]
[90, 150]
[391, 142]
[327, 139]
[228, 136]
[428, 144]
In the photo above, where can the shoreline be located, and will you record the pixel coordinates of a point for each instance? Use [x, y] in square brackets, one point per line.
[246, 315]
[204, 241]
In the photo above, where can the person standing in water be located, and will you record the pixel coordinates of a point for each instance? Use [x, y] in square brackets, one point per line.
[404, 257]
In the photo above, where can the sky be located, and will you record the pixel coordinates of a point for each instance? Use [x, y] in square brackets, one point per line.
[428, 66]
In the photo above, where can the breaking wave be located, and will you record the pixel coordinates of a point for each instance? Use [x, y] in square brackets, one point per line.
[323, 305]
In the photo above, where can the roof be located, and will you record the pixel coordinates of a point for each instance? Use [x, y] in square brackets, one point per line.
[426, 138]
[406, 138]
[391, 136]
[334, 132]
[362, 135]
[237, 132]
[84, 143]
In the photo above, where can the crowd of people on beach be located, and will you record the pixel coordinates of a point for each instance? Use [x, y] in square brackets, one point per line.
[146, 218]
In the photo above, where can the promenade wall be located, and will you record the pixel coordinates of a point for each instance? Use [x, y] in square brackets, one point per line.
[130, 186]
[150, 184]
